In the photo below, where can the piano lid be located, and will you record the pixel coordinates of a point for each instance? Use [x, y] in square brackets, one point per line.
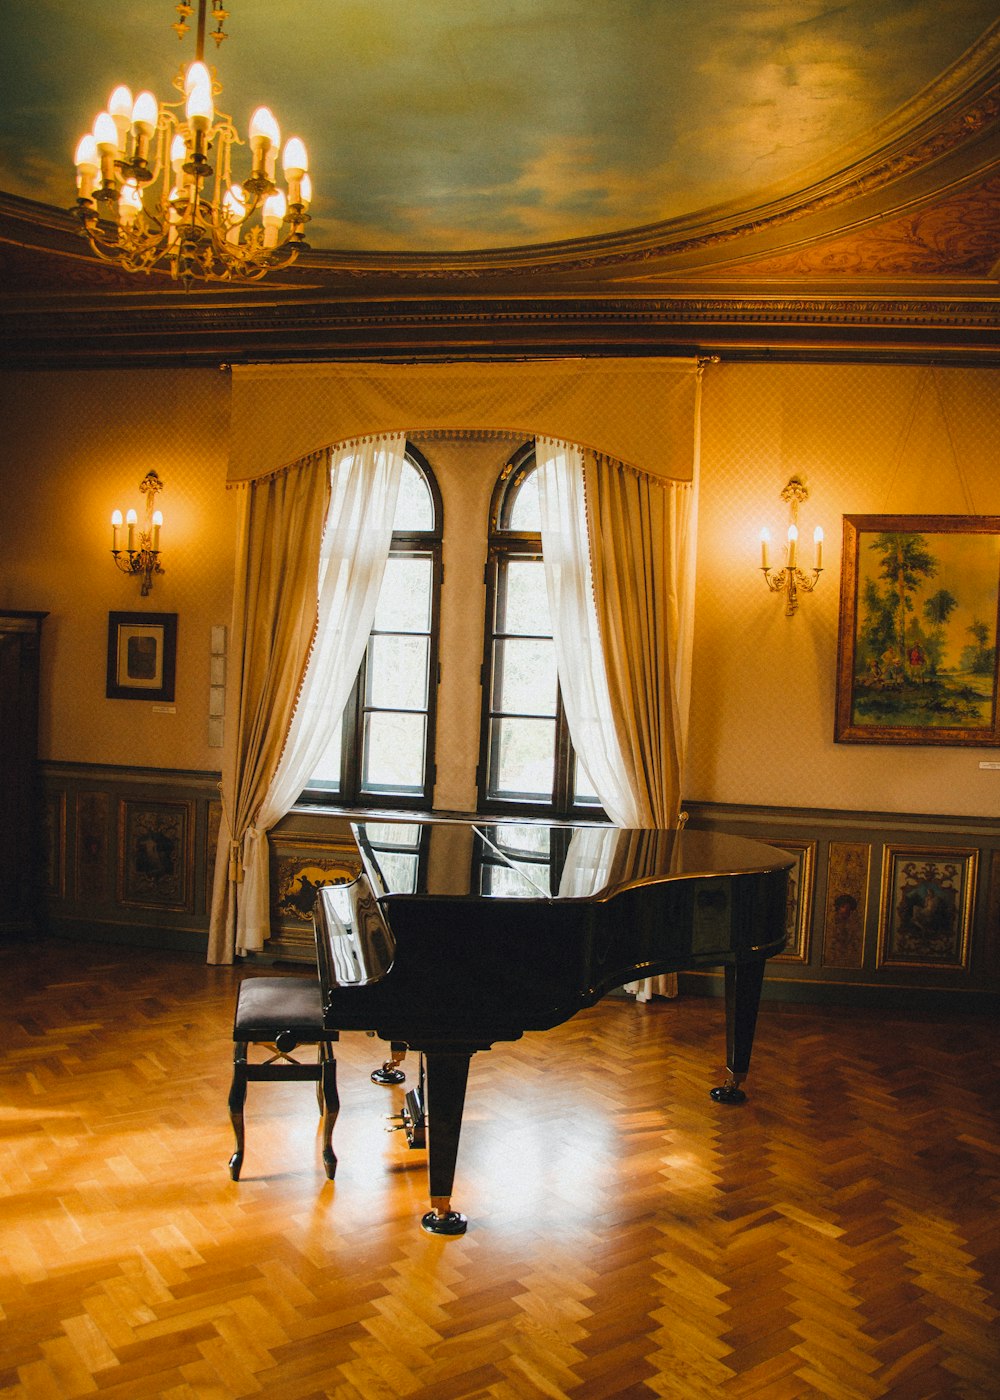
[540, 861]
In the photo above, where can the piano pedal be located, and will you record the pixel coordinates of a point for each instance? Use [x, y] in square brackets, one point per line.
[412, 1121]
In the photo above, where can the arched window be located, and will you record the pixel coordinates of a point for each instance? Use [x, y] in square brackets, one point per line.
[527, 760]
[383, 751]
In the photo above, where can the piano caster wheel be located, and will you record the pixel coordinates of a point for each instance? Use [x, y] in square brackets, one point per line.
[387, 1075]
[452, 1222]
[730, 1092]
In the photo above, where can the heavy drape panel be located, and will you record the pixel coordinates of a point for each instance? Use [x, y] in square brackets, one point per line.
[627, 407]
[642, 564]
[340, 596]
[274, 617]
[642, 552]
[623, 652]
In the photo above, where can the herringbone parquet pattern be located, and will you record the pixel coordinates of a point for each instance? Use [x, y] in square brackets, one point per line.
[838, 1236]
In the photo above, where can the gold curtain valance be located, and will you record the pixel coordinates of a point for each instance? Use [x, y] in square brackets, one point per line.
[637, 410]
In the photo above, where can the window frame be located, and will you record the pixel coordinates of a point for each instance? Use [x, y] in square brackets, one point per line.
[503, 545]
[350, 792]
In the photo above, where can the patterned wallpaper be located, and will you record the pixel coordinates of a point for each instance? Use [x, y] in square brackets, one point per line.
[77, 446]
[867, 439]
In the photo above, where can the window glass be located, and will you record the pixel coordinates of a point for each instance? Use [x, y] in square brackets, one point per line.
[527, 758]
[414, 507]
[404, 603]
[523, 603]
[524, 511]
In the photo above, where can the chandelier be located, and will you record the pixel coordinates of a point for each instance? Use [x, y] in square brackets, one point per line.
[155, 187]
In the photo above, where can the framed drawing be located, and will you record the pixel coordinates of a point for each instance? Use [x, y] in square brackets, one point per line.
[925, 918]
[919, 617]
[142, 655]
[155, 854]
[798, 915]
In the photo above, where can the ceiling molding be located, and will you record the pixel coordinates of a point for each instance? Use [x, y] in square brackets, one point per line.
[891, 250]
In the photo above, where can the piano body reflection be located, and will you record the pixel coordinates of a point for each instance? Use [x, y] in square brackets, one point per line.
[458, 935]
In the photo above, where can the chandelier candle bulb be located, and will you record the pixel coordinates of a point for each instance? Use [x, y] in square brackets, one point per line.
[106, 138]
[199, 108]
[765, 540]
[818, 538]
[116, 525]
[295, 163]
[129, 202]
[274, 212]
[155, 533]
[87, 163]
[145, 115]
[793, 539]
[120, 111]
[265, 137]
[130, 522]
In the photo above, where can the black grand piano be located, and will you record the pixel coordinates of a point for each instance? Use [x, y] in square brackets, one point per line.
[457, 935]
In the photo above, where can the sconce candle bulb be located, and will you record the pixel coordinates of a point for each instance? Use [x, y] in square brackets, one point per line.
[791, 579]
[142, 558]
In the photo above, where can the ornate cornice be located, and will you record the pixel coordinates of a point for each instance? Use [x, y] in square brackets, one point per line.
[859, 324]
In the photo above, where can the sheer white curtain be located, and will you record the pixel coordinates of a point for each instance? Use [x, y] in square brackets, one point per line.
[363, 486]
[580, 660]
[617, 546]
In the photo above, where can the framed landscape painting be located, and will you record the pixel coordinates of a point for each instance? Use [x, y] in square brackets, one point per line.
[919, 617]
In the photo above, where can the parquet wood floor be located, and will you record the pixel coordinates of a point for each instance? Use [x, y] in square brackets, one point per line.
[837, 1237]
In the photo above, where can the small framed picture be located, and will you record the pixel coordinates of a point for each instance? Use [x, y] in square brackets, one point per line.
[798, 918]
[142, 655]
[927, 901]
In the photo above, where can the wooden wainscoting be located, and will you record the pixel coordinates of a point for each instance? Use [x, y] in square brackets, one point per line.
[884, 907]
[129, 857]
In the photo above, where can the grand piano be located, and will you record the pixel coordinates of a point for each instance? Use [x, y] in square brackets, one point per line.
[457, 935]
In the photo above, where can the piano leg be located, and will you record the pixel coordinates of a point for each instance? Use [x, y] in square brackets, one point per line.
[447, 1073]
[329, 1104]
[743, 986]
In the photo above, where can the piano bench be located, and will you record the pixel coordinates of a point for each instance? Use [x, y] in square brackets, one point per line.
[280, 1014]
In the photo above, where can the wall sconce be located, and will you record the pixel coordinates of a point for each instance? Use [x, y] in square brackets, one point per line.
[141, 554]
[791, 578]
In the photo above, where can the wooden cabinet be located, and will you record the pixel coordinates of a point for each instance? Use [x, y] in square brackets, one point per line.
[21, 839]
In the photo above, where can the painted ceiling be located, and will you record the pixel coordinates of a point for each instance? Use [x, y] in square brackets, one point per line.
[453, 125]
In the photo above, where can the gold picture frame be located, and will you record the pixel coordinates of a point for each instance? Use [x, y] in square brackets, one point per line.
[798, 915]
[919, 621]
[925, 913]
